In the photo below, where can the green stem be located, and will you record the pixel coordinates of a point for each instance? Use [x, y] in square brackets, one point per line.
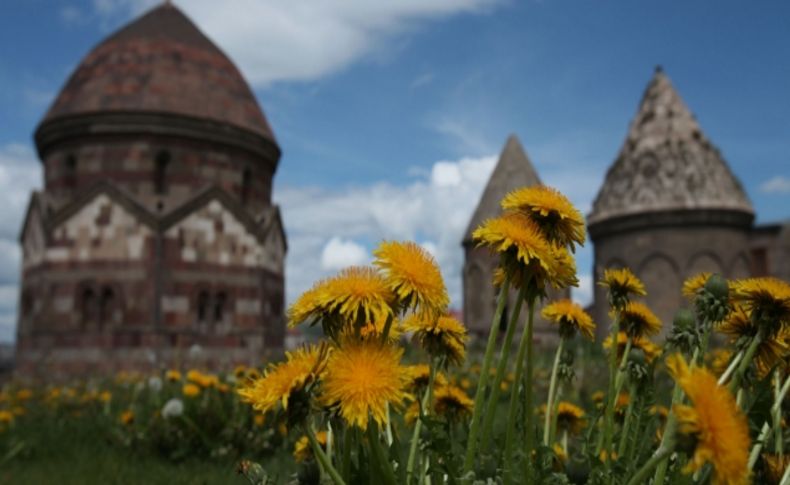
[386, 332]
[380, 457]
[323, 460]
[735, 383]
[640, 477]
[731, 368]
[511, 415]
[785, 477]
[471, 445]
[766, 429]
[550, 400]
[611, 398]
[415, 437]
[777, 415]
[704, 343]
[626, 424]
[529, 406]
[493, 398]
[621, 370]
[632, 450]
[348, 443]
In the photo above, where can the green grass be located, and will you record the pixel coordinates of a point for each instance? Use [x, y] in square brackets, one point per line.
[67, 453]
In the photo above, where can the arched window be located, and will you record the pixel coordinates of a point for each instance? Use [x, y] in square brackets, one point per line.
[88, 305]
[219, 307]
[202, 306]
[160, 172]
[246, 186]
[70, 172]
[106, 306]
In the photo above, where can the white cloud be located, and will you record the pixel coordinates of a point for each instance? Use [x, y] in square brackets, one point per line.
[776, 185]
[340, 253]
[20, 173]
[428, 210]
[286, 40]
[583, 295]
[8, 300]
[72, 15]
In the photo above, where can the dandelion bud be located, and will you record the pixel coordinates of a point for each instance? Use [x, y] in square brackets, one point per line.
[684, 320]
[713, 300]
[718, 287]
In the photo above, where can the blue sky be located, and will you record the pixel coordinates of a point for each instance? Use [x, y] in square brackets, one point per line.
[390, 113]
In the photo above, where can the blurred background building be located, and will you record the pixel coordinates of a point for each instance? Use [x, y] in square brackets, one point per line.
[155, 231]
[669, 208]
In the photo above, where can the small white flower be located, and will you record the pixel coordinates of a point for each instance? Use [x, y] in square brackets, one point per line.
[173, 408]
[155, 383]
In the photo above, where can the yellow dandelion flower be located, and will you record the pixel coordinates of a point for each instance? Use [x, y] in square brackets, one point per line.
[771, 351]
[173, 375]
[559, 220]
[354, 296]
[622, 283]
[6, 417]
[718, 430]
[766, 298]
[604, 455]
[774, 467]
[444, 336]
[413, 275]
[570, 417]
[420, 375]
[127, 417]
[622, 402]
[24, 394]
[570, 317]
[240, 371]
[201, 379]
[519, 239]
[307, 308]
[280, 381]
[362, 377]
[637, 320]
[597, 396]
[693, 284]
[105, 396]
[560, 457]
[650, 350]
[259, 420]
[302, 449]
[376, 329]
[190, 390]
[662, 412]
[453, 403]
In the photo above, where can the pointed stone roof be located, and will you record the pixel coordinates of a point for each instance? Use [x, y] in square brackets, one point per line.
[513, 170]
[667, 164]
[161, 63]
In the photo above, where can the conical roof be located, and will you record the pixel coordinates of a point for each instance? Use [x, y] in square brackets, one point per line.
[161, 63]
[513, 170]
[667, 164]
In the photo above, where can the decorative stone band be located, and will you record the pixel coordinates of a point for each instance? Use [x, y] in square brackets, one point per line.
[677, 218]
[67, 129]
